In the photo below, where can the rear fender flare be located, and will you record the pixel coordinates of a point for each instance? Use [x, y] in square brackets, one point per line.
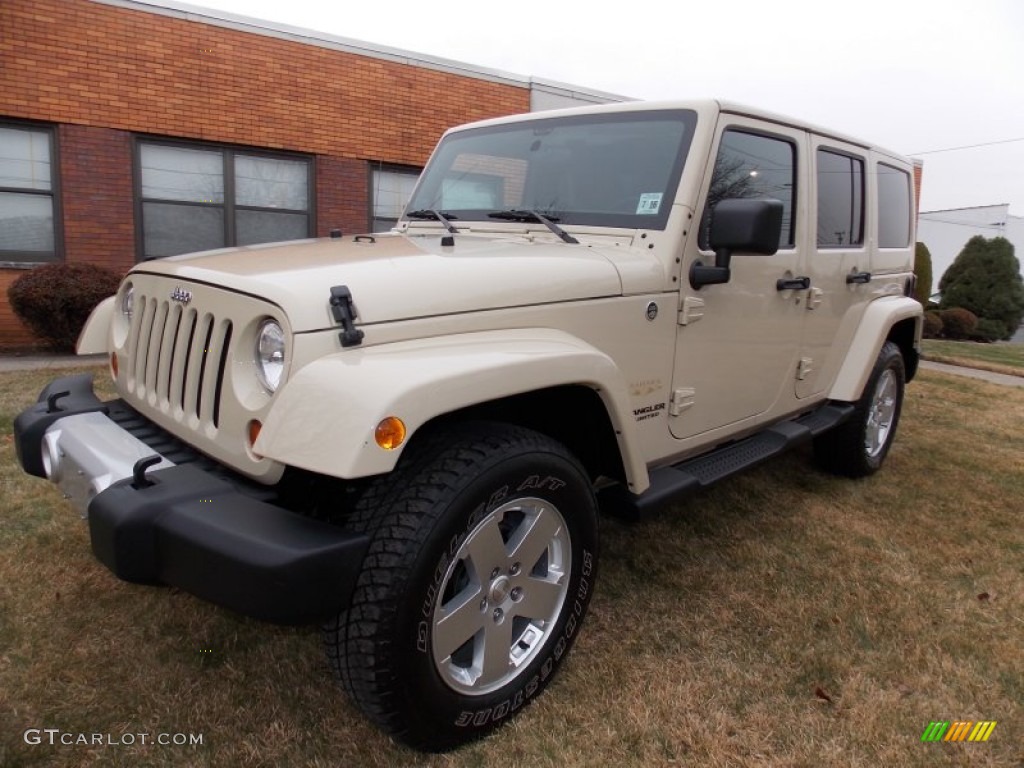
[878, 320]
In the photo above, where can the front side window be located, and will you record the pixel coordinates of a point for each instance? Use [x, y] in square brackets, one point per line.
[840, 200]
[893, 207]
[391, 190]
[27, 220]
[614, 170]
[751, 165]
[195, 198]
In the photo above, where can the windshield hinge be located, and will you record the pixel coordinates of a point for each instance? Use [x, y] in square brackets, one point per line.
[344, 312]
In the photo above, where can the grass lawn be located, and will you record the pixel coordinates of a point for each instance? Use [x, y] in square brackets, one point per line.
[784, 618]
[1000, 358]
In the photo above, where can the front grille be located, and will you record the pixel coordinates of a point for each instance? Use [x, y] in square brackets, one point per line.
[177, 357]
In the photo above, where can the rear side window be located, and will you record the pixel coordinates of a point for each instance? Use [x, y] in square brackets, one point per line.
[893, 207]
[753, 165]
[840, 200]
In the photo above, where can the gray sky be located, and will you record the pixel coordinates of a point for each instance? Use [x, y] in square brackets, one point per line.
[910, 75]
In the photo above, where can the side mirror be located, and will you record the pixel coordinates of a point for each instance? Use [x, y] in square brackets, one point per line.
[751, 225]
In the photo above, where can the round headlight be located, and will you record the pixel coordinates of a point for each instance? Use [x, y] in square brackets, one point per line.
[128, 301]
[270, 354]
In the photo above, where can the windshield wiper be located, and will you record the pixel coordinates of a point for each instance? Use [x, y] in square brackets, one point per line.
[430, 213]
[521, 215]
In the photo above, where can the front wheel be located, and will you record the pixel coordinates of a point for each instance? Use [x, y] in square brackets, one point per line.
[858, 447]
[481, 565]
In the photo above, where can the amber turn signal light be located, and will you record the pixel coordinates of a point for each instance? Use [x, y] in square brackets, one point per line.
[113, 365]
[253, 429]
[390, 433]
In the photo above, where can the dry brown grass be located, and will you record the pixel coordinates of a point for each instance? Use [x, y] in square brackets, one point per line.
[716, 634]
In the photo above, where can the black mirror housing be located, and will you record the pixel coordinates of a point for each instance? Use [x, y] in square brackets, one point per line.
[751, 225]
[747, 226]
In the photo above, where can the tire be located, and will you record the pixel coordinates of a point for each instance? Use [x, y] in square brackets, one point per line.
[452, 630]
[858, 447]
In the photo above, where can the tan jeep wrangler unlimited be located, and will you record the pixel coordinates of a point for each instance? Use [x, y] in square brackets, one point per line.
[403, 435]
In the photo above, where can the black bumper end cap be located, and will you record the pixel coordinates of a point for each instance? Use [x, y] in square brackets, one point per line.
[197, 532]
[31, 424]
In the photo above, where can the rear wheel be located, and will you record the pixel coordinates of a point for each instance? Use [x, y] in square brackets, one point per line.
[859, 446]
[481, 565]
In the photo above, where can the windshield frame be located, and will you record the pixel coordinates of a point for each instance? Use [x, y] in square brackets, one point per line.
[431, 182]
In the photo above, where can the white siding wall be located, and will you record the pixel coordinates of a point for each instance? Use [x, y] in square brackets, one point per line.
[947, 232]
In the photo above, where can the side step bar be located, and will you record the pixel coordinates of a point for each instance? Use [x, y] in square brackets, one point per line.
[670, 483]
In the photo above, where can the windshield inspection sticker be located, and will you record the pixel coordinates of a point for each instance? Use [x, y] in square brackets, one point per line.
[650, 203]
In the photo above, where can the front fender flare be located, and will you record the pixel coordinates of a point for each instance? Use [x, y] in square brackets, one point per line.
[879, 318]
[324, 418]
[96, 332]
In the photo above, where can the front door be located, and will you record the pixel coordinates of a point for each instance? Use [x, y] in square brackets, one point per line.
[738, 343]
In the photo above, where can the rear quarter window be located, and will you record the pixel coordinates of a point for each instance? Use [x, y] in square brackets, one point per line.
[893, 207]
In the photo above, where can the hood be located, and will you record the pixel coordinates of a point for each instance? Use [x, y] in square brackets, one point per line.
[399, 277]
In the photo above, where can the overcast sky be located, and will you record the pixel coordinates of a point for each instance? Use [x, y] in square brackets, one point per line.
[910, 75]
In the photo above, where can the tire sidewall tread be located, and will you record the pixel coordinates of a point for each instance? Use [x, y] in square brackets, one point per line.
[417, 517]
[841, 450]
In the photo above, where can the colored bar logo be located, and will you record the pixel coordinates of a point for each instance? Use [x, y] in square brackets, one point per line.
[959, 730]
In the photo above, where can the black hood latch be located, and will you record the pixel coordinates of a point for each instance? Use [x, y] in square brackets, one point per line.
[345, 313]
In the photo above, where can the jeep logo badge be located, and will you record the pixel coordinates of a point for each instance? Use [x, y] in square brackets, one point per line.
[180, 294]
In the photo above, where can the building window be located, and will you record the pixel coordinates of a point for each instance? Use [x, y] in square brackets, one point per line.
[195, 198]
[752, 165]
[28, 229]
[840, 200]
[391, 190]
[893, 207]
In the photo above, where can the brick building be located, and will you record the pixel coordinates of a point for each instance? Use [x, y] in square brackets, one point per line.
[132, 130]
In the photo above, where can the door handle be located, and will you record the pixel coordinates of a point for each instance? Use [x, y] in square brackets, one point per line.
[793, 284]
[858, 277]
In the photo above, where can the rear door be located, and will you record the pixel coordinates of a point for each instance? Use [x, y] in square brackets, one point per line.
[837, 262]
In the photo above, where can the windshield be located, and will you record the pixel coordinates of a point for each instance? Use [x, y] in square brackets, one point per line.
[612, 170]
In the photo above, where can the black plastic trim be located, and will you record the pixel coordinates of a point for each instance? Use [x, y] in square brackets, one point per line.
[669, 484]
[792, 284]
[197, 532]
[66, 396]
[858, 278]
[345, 313]
[199, 526]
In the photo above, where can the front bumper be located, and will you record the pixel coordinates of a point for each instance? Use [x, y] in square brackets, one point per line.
[190, 524]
